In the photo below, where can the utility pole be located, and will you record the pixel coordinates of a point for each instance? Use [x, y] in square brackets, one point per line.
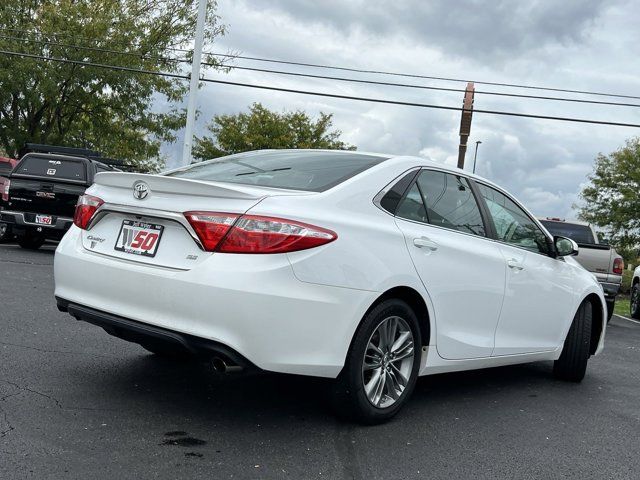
[193, 88]
[465, 122]
[475, 156]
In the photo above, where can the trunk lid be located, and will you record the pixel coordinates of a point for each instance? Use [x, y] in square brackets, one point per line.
[155, 206]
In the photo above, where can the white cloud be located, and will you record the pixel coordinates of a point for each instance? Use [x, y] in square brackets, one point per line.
[579, 45]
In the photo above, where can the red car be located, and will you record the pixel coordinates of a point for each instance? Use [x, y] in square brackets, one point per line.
[6, 165]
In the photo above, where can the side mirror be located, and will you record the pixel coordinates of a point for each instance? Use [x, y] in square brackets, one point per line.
[565, 246]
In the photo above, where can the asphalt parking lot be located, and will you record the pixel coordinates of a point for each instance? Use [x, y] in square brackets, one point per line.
[77, 403]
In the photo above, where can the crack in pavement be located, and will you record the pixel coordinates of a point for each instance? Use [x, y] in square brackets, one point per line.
[24, 262]
[28, 347]
[27, 389]
[4, 433]
[49, 397]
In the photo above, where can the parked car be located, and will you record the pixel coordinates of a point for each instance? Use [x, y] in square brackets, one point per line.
[6, 165]
[40, 195]
[634, 304]
[368, 269]
[601, 259]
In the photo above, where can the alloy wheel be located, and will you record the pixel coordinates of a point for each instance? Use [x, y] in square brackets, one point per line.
[388, 362]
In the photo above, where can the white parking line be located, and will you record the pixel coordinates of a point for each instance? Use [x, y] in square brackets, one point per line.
[626, 318]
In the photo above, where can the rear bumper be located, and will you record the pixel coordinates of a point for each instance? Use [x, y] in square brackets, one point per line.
[24, 220]
[142, 333]
[610, 290]
[250, 304]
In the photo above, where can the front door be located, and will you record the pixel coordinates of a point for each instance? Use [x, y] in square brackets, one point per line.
[462, 271]
[539, 295]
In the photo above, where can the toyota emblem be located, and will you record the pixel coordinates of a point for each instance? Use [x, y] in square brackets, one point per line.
[140, 190]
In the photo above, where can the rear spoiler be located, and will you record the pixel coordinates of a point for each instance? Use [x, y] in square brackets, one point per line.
[183, 186]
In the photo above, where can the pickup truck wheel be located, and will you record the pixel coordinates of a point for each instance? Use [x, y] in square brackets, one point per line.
[382, 365]
[611, 305]
[31, 241]
[635, 302]
[572, 364]
[4, 231]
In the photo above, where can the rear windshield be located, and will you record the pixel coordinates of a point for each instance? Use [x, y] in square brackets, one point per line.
[54, 168]
[303, 170]
[577, 233]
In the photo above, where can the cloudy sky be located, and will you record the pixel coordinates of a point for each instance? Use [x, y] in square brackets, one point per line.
[582, 45]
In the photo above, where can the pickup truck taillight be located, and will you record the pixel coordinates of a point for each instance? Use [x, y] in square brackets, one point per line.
[5, 192]
[233, 233]
[85, 209]
[618, 266]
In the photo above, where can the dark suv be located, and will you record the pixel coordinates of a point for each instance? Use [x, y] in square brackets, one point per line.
[42, 194]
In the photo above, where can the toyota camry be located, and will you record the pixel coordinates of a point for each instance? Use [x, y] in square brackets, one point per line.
[364, 268]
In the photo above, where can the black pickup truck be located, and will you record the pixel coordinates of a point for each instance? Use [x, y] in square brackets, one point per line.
[42, 194]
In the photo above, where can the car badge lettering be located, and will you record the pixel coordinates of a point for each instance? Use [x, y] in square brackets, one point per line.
[49, 195]
[140, 190]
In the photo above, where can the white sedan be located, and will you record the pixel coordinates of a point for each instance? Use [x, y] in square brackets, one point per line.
[369, 269]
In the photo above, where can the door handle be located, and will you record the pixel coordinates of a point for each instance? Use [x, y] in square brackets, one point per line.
[514, 264]
[424, 242]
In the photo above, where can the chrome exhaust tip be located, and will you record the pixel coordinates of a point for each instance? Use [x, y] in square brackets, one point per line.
[221, 367]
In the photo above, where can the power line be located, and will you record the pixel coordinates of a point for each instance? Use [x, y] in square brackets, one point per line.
[320, 94]
[428, 87]
[323, 77]
[357, 70]
[428, 77]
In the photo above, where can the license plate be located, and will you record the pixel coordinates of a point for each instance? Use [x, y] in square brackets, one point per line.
[139, 238]
[44, 219]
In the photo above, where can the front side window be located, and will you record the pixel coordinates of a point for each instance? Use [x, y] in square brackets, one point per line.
[449, 203]
[512, 224]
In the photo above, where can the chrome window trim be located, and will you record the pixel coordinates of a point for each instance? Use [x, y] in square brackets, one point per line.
[385, 190]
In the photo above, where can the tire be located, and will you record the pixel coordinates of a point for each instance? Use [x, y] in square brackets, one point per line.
[611, 305]
[4, 232]
[31, 241]
[635, 302]
[349, 396]
[168, 351]
[572, 364]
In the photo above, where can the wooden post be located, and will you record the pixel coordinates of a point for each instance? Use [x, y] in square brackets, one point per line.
[465, 122]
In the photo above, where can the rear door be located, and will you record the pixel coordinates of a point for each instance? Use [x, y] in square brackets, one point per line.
[462, 270]
[539, 295]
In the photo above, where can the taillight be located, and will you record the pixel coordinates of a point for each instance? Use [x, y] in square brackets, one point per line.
[230, 233]
[618, 266]
[85, 209]
[210, 226]
[5, 191]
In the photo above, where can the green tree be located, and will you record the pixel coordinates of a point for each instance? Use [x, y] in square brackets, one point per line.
[612, 198]
[82, 106]
[262, 128]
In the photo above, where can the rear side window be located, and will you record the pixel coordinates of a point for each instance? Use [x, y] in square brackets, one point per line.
[53, 168]
[577, 233]
[292, 170]
[449, 203]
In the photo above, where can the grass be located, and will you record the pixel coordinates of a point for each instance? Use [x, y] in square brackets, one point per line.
[622, 306]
